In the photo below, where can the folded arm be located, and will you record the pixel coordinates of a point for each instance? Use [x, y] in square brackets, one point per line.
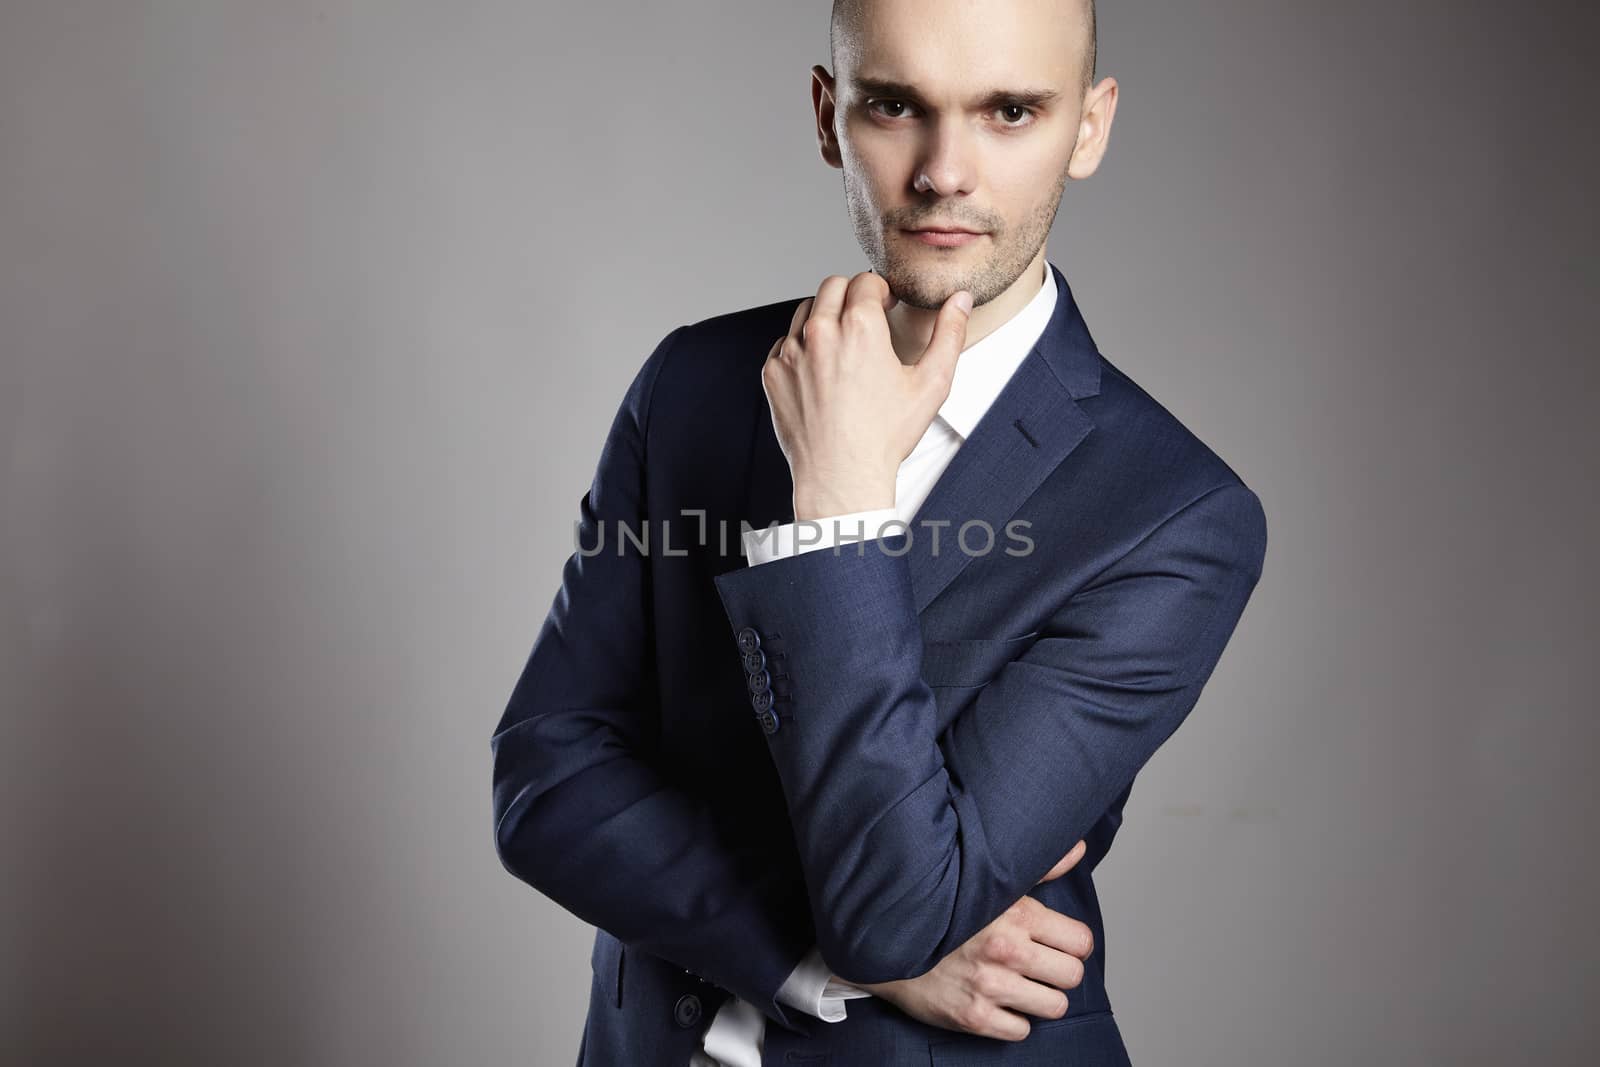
[582, 812]
[913, 842]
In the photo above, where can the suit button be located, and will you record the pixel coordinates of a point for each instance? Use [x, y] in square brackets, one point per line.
[769, 723]
[749, 640]
[754, 661]
[761, 701]
[760, 682]
[687, 1011]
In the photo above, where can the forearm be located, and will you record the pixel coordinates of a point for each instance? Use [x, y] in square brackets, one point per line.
[598, 831]
[581, 810]
[913, 841]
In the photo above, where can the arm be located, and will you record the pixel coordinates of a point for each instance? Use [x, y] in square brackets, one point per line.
[812, 987]
[582, 813]
[911, 842]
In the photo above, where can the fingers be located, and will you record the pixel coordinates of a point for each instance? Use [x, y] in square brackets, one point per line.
[991, 1020]
[1001, 1002]
[1055, 968]
[1025, 955]
[868, 290]
[802, 311]
[1065, 863]
[1062, 932]
[949, 337]
[830, 298]
[866, 297]
[1015, 992]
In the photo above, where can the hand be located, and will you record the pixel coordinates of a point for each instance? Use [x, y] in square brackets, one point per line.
[1020, 961]
[845, 409]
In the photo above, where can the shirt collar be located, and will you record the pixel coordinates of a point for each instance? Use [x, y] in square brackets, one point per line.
[984, 368]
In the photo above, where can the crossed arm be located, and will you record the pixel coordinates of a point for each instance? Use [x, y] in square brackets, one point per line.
[912, 842]
[582, 812]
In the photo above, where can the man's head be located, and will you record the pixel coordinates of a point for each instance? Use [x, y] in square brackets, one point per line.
[959, 113]
[846, 18]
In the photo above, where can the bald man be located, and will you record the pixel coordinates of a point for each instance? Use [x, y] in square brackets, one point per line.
[839, 801]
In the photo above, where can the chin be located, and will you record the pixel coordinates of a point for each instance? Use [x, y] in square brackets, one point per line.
[927, 289]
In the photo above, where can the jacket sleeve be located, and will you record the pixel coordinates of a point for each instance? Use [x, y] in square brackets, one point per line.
[913, 842]
[582, 809]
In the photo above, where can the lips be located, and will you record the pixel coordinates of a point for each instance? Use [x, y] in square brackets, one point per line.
[942, 238]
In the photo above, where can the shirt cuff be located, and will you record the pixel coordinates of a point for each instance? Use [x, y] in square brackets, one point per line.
[765, 544]
[812, 988]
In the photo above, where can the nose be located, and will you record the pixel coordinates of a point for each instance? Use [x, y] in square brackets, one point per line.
[947, 167]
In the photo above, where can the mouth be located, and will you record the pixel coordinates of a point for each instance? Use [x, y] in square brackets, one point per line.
[944, 236]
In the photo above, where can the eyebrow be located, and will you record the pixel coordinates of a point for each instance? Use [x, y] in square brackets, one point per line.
[991, 99]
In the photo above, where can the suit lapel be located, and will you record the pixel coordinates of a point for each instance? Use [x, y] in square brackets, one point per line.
[1032, 426]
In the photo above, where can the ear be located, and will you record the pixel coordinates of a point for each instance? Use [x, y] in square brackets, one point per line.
[1094, 129]
[822, 102]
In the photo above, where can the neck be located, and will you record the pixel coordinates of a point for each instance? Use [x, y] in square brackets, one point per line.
[911, 327]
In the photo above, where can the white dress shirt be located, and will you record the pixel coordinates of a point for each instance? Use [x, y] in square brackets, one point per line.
[734, 1037]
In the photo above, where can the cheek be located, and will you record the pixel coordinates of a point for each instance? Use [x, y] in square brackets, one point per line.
[876, 162]
[1023, 185]
[868, 179]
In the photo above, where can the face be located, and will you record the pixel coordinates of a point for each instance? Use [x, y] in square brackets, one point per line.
[952, 114]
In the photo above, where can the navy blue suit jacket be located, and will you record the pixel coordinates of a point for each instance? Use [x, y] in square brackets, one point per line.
[875, 749]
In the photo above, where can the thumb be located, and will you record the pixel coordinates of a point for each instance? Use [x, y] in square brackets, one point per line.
[949, 333]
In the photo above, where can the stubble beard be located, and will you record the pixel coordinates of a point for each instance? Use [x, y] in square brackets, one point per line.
[910, 280]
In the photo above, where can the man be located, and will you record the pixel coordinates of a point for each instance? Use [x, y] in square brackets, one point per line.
[865, 776]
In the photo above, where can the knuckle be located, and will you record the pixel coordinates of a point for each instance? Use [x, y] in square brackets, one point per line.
[1001, 949]
[819, 325]
[986, 983]
[858, 314]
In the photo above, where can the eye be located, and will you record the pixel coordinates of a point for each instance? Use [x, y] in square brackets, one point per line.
[888, 104]
[1026, 113]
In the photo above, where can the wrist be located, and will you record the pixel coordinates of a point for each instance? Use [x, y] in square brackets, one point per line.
[821, 502]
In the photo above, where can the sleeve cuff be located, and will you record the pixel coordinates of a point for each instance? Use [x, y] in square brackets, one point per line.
[812, 988]
[762, 545]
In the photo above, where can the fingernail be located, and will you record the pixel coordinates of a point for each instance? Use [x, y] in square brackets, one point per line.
[964, 300]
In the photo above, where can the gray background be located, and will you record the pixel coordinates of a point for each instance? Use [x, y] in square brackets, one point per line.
[314, 315]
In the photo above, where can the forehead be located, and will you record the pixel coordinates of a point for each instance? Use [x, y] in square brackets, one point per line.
[949, 46]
